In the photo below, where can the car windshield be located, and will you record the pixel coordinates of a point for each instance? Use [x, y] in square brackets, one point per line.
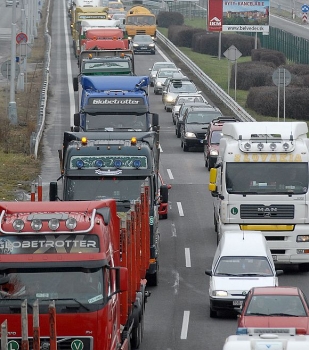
[261, 177]
[143, 39]
[180, 87]
[158, 66]
[202, 117]
[189, 99]
[237, 266]
[280, 305]
[166, 74]
[215, 137]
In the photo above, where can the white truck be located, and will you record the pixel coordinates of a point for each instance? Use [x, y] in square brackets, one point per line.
[260, 183]
[267, 341]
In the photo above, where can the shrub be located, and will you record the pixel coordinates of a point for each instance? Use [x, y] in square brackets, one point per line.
[182, 35]
[263, 54]
[165, 19]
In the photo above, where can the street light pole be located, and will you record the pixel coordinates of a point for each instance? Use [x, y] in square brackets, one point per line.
[12, 103]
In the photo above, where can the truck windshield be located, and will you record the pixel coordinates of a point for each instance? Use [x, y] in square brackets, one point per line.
[110, 122]
[84, 286]
[98, 188]
[267, 178]
[141, 20]
[95, 67]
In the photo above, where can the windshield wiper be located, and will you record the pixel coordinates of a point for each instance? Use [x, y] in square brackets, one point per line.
[256, 314]
[77, 301]
[225, 274]
[284, 314]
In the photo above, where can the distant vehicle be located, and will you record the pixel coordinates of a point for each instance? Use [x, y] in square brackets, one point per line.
[180, 99]
[163, 198]
[195, 123]
[182, 110]
[158, 65]
[241, 261]
[212, 140]
[161, 76]
[274, 308]
[143, 43]
[10, 3]
[179, 84]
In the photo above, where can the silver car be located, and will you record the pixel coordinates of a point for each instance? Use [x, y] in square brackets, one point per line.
[156, 66]
[161, 76]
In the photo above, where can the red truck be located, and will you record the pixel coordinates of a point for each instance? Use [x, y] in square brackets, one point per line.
[87, 259]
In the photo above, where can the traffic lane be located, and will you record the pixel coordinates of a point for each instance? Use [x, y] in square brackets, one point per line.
[298, 30]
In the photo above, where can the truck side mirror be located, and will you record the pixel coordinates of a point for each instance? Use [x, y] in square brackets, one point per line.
[76, 119]
[164, 193]
[53, 191]
[155, 119]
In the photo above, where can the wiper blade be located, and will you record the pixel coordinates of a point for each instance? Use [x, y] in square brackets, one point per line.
[225, 274]
[284, 314]
[257, 314]
[77, 301]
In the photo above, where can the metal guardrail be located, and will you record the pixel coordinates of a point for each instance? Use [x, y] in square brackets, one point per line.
[36, 136]
[209, 83]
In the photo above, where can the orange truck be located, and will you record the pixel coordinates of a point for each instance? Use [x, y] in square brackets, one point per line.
[87, 258]
[104, 39]
[140, 20]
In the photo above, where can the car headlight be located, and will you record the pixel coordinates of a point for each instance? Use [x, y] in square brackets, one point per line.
[135, 45]
[151, 45]
[213, 152]
[219, 293]
[153, 75]
[189, 134]
[158, 83]
[169, 98]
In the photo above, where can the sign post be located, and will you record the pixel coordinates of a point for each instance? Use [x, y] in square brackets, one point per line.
[232, 54]
[281, 77]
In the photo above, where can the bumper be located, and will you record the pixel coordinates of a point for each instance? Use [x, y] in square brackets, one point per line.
[135, 50]
[225, 304]
[192, 142]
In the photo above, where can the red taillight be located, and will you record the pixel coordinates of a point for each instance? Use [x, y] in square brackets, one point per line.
[300, 331]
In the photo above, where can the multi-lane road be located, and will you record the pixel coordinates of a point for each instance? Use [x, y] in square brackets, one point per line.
[177, 313]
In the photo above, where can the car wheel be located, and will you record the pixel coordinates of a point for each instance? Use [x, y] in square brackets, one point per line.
[178, 132]
[185, 148]
[211, 164]
[212, 313]
[303, 267]
[156, 92]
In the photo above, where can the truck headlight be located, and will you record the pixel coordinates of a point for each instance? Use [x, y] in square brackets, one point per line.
[302, 238]
[189, 134]
[219, 293]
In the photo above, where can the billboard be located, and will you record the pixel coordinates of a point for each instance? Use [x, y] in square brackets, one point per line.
[238, 16]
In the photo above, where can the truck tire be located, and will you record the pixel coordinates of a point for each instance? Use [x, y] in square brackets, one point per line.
[303, 267]
[136, 336]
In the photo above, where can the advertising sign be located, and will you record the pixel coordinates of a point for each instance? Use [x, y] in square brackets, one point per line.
[238, 16]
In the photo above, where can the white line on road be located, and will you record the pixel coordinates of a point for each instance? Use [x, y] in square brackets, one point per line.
[174, 233]
[180, 209]
[160, 148]
[188, 257]
[185, 325]
[169, 172]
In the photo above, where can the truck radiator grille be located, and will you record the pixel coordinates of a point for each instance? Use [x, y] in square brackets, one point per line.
[260, 211]
[63, 343]
[141, 31]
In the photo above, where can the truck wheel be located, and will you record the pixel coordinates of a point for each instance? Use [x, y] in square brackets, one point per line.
[136, 336]
[212, 313]
[215, 224]
[303, 267]
[152, 279]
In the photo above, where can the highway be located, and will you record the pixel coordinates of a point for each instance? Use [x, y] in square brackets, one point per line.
[177, 313]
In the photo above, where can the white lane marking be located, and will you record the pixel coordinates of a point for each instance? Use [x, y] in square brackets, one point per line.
[169, 172]
[176, 282]
[163, 55]
[160, 148]
[188, 257]
[174, 233]
[185, 325]
[69, 68]
[180, 210]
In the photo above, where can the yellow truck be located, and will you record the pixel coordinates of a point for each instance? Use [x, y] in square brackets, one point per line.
[81, 14]
[140, 20]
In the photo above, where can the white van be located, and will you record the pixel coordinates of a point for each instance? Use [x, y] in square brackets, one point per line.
[267, 341]
[242, 261]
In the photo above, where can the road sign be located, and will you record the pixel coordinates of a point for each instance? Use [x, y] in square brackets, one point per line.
[6, 69]
[281, 77]
[21, 38]
[232, 53]
[305, 8]
[304, 18]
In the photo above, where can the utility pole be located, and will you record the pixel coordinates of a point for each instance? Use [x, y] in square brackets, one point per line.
[12, 103]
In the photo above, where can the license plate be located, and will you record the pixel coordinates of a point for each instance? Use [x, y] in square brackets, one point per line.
[275, 257]
[237, 302]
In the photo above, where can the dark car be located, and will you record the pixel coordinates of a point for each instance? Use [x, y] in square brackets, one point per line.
[275, 308]
[195, 123]
[182, 110]
[143, 43]
[212, 140]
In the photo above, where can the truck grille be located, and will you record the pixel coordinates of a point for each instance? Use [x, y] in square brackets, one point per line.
[63, 343]
[260, 211]
[141, 31]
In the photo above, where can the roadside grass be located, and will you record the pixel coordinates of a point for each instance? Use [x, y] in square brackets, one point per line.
[18, 168]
